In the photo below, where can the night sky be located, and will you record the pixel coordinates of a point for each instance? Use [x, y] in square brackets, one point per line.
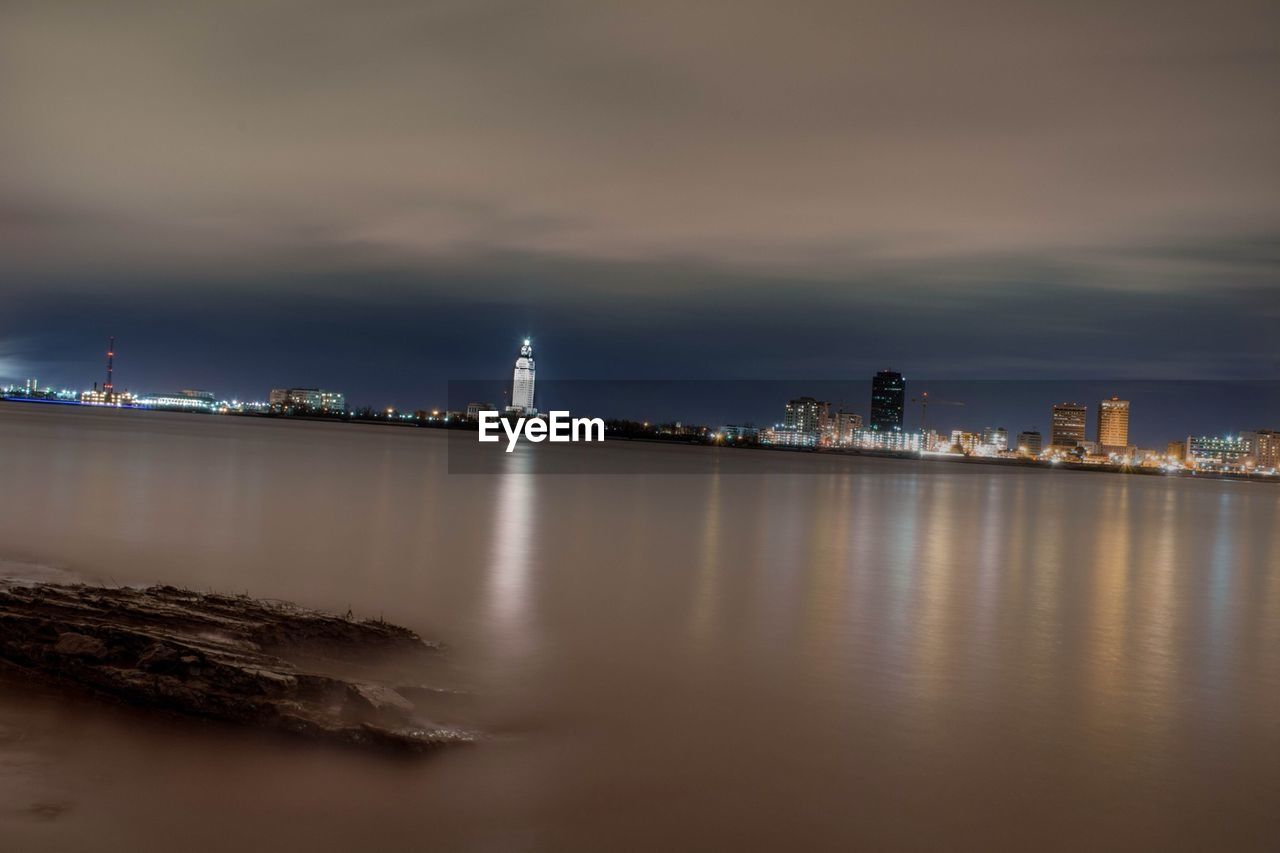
[381, 197]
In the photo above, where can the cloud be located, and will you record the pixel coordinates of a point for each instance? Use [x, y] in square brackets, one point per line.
[811, 139]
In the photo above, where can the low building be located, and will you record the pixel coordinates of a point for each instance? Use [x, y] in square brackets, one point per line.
[872, 439]
[474, 410]
[307, 400]
[98, 397]
[996, 437]
[787, 436]
[1217, 453]
[186, 400]
[739, 433]
[844, 425]
[1030, 443]
[968, 442]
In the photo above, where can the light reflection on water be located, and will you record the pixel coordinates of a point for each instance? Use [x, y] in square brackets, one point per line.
[513, 552]
[853, 654]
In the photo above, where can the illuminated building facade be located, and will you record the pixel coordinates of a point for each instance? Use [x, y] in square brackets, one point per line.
[806, 415]
[1217, 453]
[996, 437]
[872, 439]
[784, 436]
[968, 442]
[187, 400]
[1265, 444]
[1113, 425]
[888, 397]
[1068, 425]
[1030, 443]
[474, 410]
[522, 382]
[844, 426]
[308, 399]
[739, 432]
[105, 398]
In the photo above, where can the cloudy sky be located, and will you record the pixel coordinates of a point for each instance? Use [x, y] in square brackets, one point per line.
[382, 196]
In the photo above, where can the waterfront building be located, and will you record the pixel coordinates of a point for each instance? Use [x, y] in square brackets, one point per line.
[1177, 450]
[873, 439]
[997, 437]
[474, 410]
[1030, 443]
[1068, 425]
[522, 382]
[967, 442]
[785, 436]
[186, 400]
[806, 415]
[1265, 447]
[739, 432]
[307, 399]
[98, 397]
[1113, 425]
[1148, 457]
[1217, 453]
[888, 398]
[1091, 448]
[844, 426]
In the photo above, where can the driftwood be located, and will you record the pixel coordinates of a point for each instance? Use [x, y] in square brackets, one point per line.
[222, 657]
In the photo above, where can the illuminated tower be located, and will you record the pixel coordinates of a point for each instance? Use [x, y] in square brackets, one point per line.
[522, 382]
[1113, 424]
[109, 389]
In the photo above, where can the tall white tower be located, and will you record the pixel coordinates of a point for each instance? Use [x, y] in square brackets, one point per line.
[522, 382]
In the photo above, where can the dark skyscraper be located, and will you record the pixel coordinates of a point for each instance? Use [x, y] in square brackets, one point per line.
[888, 391]
[1068, 425]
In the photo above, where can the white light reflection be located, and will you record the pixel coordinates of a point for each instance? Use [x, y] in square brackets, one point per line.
[511, 556]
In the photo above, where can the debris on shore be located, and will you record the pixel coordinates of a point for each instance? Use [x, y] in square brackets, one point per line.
[266, 664]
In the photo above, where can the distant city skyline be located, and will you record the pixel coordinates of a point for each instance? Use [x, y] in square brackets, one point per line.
[1099, 206]
[1224, 408]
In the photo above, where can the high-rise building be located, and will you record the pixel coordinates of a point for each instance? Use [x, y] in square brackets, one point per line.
[888, 397]
[1113, 424]
[1068, 425]
[522, 382]
[997, 437]
[806, 415]
[1029, 442]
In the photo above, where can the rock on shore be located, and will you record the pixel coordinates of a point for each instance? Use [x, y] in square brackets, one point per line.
[223, 657]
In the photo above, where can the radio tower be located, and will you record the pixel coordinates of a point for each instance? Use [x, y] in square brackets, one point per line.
[109, 390]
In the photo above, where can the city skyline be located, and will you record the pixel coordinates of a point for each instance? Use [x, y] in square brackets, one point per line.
[888, 406]
[1111, 224]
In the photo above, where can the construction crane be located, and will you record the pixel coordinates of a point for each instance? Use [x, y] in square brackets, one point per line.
[924, 402]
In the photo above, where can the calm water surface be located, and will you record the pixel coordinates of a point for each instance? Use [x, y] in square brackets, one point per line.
[837, 654]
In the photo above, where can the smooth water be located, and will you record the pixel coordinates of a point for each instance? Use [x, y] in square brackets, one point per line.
[839, 654]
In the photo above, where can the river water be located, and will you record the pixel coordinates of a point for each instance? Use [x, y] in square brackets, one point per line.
[779, 652]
